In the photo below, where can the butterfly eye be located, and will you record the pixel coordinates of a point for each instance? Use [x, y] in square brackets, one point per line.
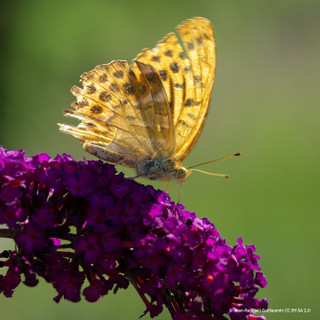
[182, 172]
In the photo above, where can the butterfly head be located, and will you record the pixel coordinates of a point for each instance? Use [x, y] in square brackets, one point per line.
[181, 173]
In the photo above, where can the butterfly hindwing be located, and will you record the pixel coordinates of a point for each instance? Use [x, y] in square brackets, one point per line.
[125, 115]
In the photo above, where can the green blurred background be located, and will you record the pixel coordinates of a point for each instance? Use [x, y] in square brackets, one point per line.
[265, 104]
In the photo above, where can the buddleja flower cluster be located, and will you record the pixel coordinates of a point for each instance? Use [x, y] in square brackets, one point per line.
[87, 231]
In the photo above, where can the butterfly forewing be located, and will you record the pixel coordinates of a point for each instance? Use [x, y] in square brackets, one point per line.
[187, 73]
[154, 108]
[198, 40]
[169, 59]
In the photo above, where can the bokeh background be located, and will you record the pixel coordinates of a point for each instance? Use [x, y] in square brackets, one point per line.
[265, 104]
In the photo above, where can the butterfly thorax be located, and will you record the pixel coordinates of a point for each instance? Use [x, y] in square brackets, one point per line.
[163, 170]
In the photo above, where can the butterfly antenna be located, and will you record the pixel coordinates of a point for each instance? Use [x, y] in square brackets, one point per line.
[216, 160]
[212, 174]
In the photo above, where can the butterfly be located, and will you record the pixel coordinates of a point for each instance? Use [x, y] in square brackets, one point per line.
[149, 115]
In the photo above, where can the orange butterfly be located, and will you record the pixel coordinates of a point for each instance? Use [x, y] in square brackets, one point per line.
[149, 115]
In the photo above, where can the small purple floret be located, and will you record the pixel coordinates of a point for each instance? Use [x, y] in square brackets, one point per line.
[87, 231]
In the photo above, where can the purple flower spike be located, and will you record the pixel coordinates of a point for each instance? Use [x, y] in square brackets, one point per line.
[87, 231]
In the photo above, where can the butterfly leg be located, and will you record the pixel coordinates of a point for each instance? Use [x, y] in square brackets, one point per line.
[137, 171]
[180, 192]
[121, 161]
[167, 185]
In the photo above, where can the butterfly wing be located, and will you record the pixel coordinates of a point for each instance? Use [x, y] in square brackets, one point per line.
[187, 74]
[154, 109]
[198, 39]
[124, 113]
